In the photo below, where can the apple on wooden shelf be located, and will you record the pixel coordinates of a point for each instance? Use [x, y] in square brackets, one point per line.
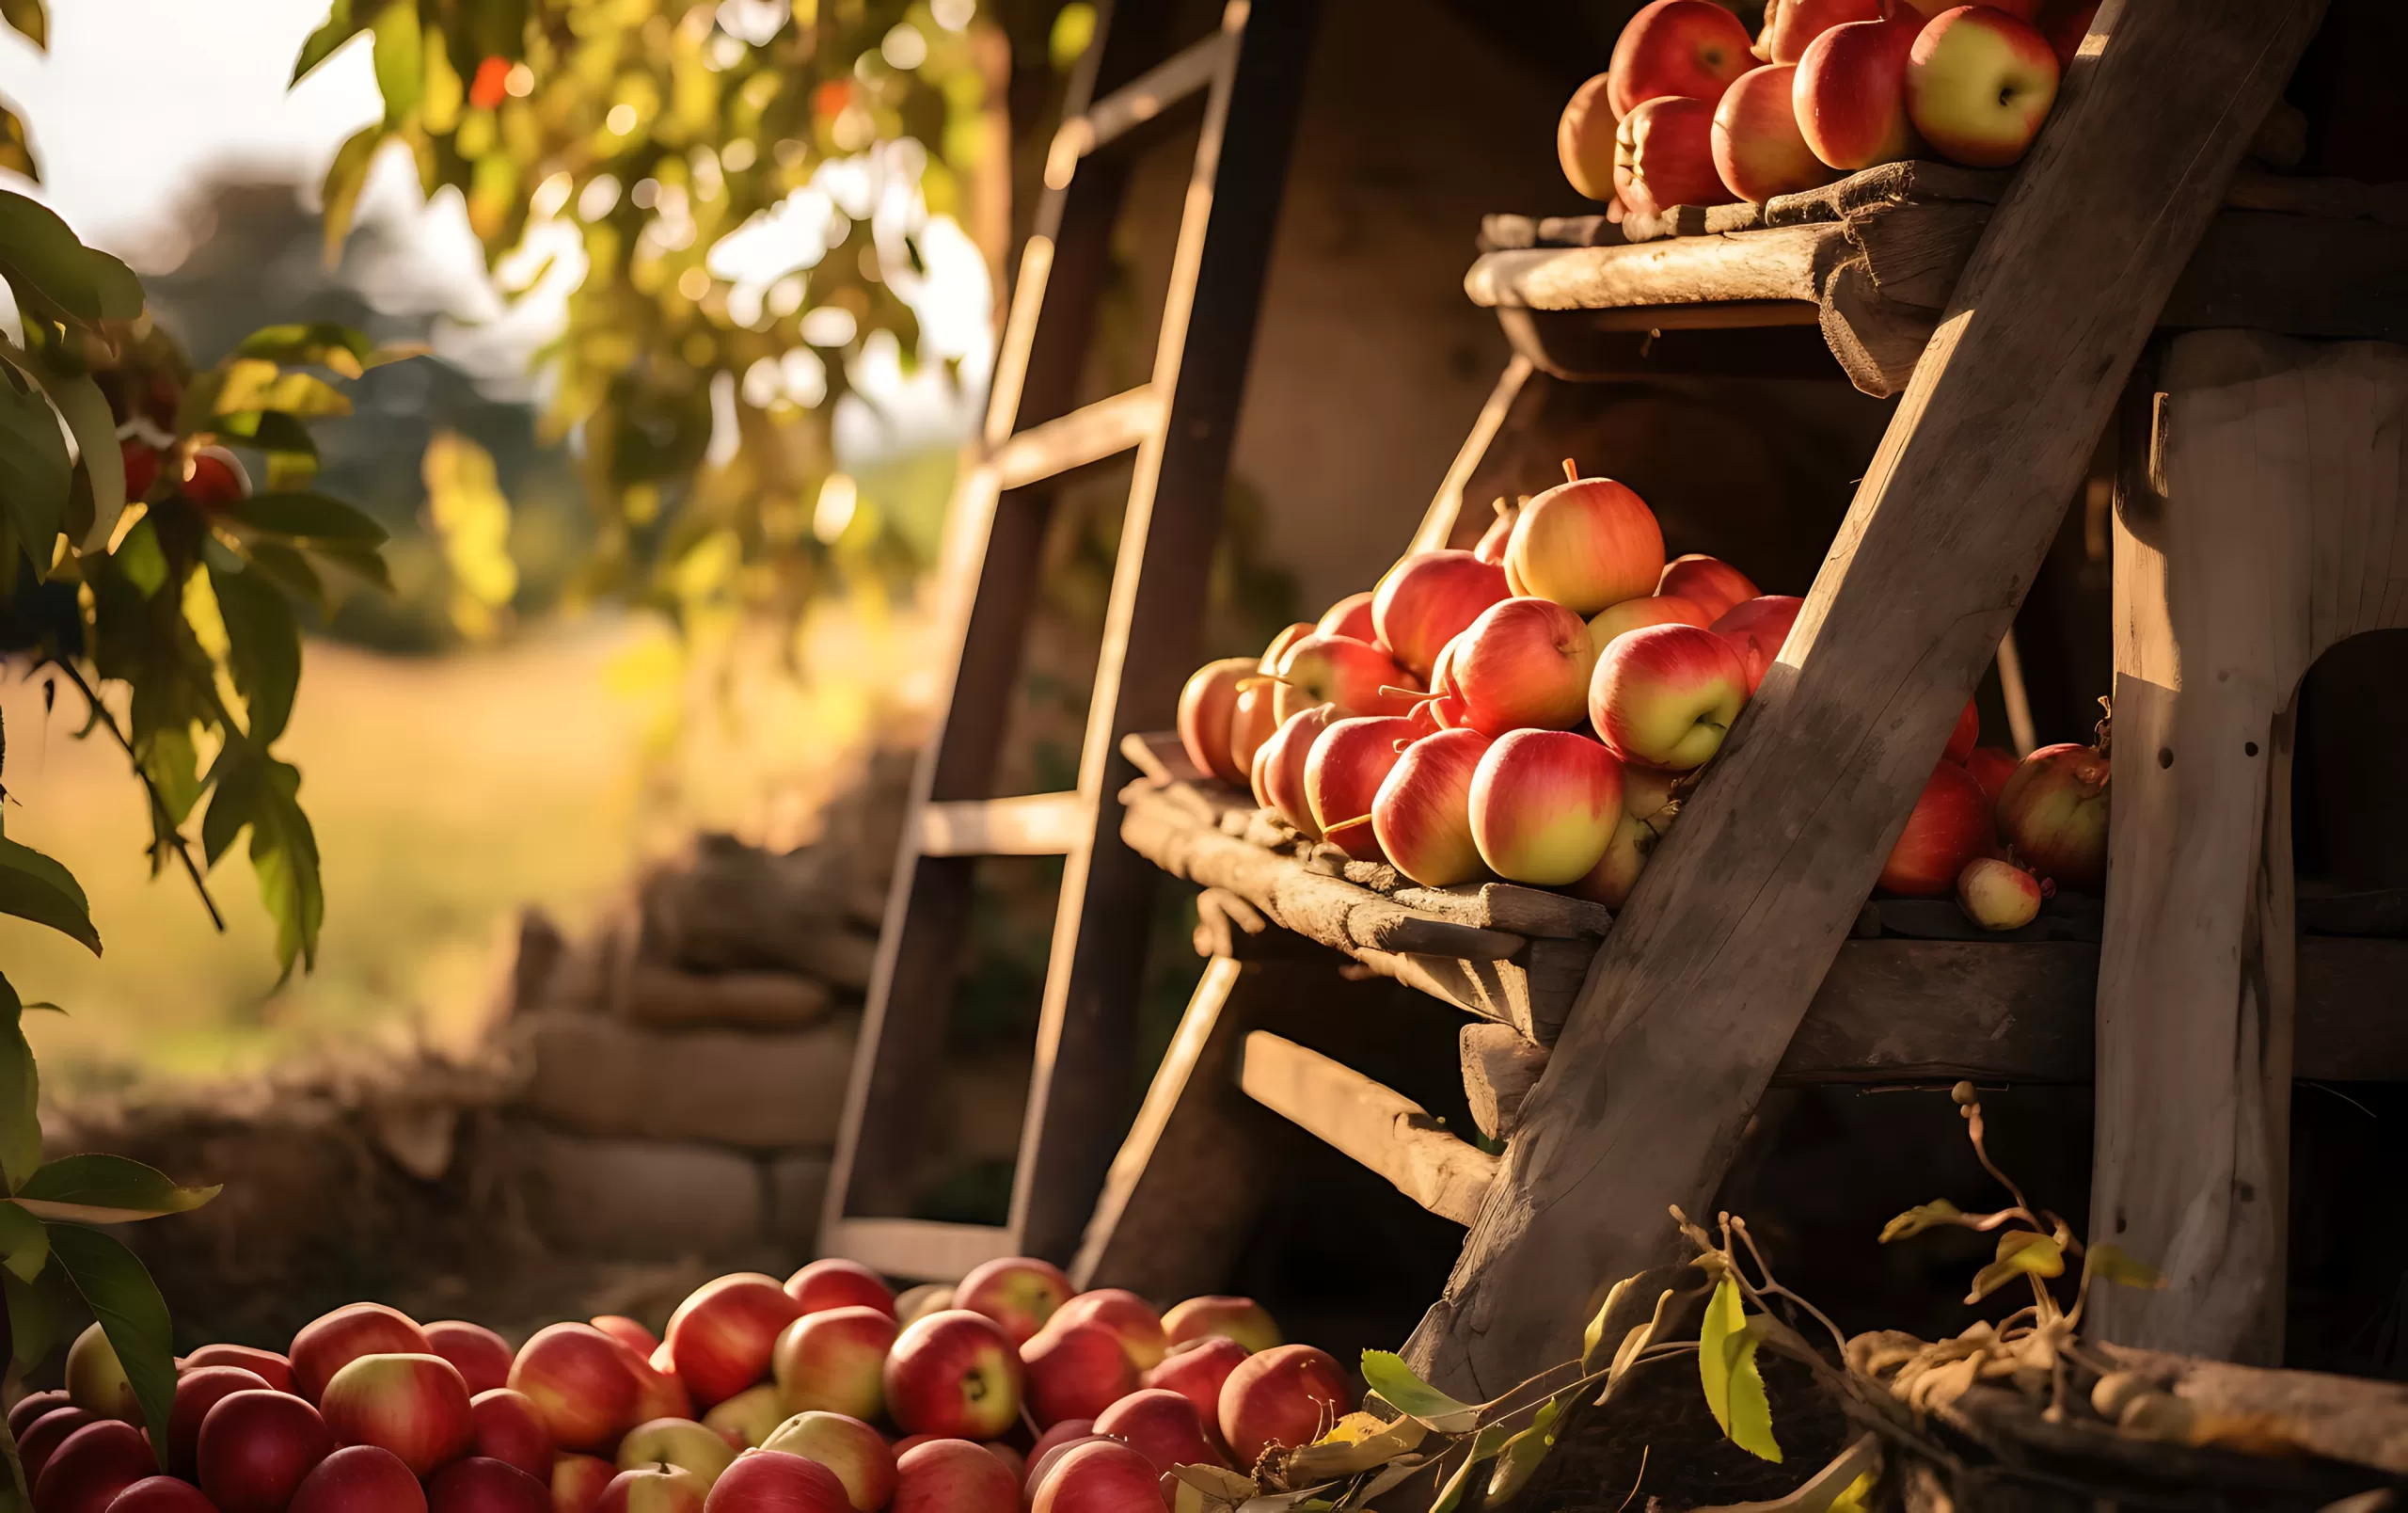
[1711, 585]
[1633, 614]
[953, 1477]
[1756, 628]
[1352, 675]
[1584, 140]
[1586, 543]
[1342, 776]
[1289, 1395]
[1979, 85]
[1206, 706]
[1758, 150]
[1278, 778]
[1996, 893]
[1020, 1292]
[1543, 806]
[1790, 24]
[1851, 94]
[1426, 600]
[1422, 815]
[1949, 826]
[1350, 616]
[2054, 812]
[1688, 48]
[1663, 156]
[1665, 696]
[1250, 726]
[1524, 665]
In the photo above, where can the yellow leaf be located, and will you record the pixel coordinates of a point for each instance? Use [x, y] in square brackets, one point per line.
[1724, 1320]
[472, 520]
[2021, 1252]
[1918, 1219]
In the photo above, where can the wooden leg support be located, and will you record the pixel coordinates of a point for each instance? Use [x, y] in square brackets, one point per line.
[2260, 516]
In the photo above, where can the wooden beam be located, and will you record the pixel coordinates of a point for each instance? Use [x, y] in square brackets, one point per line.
[1380, 1127]
[1028, 824]
[1499, 1070]
[2281, 528]
[1088, 434]
[1709, 969]
[919, 1249]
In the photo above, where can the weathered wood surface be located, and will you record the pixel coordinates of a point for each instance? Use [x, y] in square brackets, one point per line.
[2340, 1418]
[1378, 1126]
[2262, 518]
[1703, 983]
[1499, 1070]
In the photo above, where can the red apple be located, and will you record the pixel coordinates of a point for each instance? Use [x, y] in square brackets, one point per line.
[1756, 628]
[1967, 735]
[1979, 83]
[1342, 774]
[1999, 895]
[1288, 1395]
[333, 1340]
[953, 1373]
[509, 1429]
[1663, 156]
[415, 1406]
[94, 1464]
[1711, 585]
[578, 1482]
[657, 1489]
[44, 1436]
[360, 1478]
[1991, 766]
[834, 1283]
[1427, 599]
[1584, 145]
[627, 1331]
[1545, 804]
[1851, 94]
[1677, 47]
[275, 1368]
[754, 1414]
[1617, 871]
[1923, 11]
[1162, 1426]
[1099, 1476]
[481, 1484]
[851, 1448]
[96, 1381]
[1278, 779]
[1060, 1434]
[1041, 1465]
[1350, 616]
[1790, 24]
[197, 1393]
[33, 1406]
[2054, 811]
[482, 1356]
[1524, 665]
[1665, 696]
[1250, 726]
[720, 1336]
[1242, 1319]
[1422, 815]
[1012, 1459]
[952, 1476]
[578, 1380]
[1020, 1292]
[680, 1443]
[1949, 826]
[165, 1494]
[930, 1297]
[1279, 645]
[256, 1446]
[833, 1362]
[763, 1481]
[1637, 613]
[1500, 530]
[1206, 706]
[1352, 675]
[1196, 1370]
[1585, 544]
[658, 1393]
[1074, 1370]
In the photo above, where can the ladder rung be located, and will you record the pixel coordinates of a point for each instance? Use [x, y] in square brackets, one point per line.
[1134, 103]
[1088, 434]
[1034, 824]
[1378, 1126]
[916, 1247]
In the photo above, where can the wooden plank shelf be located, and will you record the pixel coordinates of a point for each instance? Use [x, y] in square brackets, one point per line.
[1872, 260]
[1378, 1126]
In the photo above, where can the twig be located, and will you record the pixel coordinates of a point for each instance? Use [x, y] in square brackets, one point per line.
[163, 825]
[1774, 1289]
[1634, 1484]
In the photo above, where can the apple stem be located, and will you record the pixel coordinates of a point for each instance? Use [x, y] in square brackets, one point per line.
[1571, 471]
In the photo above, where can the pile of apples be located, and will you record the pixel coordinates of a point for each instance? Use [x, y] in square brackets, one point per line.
[1004, 1394]
[1692, 112]
[1531, 709]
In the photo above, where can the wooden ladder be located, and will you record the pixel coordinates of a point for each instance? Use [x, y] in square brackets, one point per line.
[1248, 73]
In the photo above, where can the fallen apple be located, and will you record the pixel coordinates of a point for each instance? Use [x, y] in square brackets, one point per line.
[1996, 893]
[1287, 1395]
[2054, 812]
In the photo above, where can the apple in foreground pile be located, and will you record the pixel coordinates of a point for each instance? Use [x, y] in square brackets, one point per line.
[44, 1436]
[767, 1480]
[197, 1391]
[169, 1494]
[1213, 1316]
[1075, 1369]
[720, 1336]
[1197, 1370]
[1851, 94]
[1756, 630]
[1991, 766]
[95, 1463]
[1690, 48]
[1285, 1395]
[953, 1373]
[1663, 156]
[1130, 1317]
[415, 1406]
[857, 1454]
[96, 1380]
[680, 1443]
[1996, 893]
[1584, 140]
[255, 1447]
[1162, 1426]
[627, 1331]
[1098, 1476]
[481, 1356]
[1665, 696]
[327, 1343]
[1543, 805]
[833, 1360]
[509, 1429]
[275, 1368]
[1979, 83]
[1709, 582]
[1635, 614]
[1339, 670]
[1020, 1292]
[360, 1478]
[1422, 815]
[1948, 827]
[953, 1477]
[1250, 726]
[578, 1380]
[1426, 600]
[833, 1283]
[1586, 543]
[1966, 736]
[481, 1484]
[1350, 616]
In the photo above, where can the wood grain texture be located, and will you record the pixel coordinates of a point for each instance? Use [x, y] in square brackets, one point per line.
[2282, 528]
[1499, 1070]
[1378, 1126]
[1700, 987]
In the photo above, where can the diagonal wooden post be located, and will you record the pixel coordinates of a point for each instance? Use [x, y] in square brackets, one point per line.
[1695, 994]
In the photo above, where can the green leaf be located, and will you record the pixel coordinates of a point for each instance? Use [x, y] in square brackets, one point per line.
[401, 60]
[141, 560]
[1357, 1444]
[1920, 1218]
[307, 516]
[34, 472]
[1750, 1412]
[1522, 1453]
[126, 1301]
[20, 1095]
[289, 570]
[25, 18]
[25, 1242]
[38, 1314]
[35, 887]
[100, 1189]
[314, 344]
[339, 197]
[2110, 1261]
[54, 272]
[16, 148]
[1483, 1444]
[261, 792]
[87, 412]
[245, 383]
[1386, 1373]
[2021, 1252]
[271, 431]
[1725, 1317]
[358, 559]
[322, 44]
[264, 649]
